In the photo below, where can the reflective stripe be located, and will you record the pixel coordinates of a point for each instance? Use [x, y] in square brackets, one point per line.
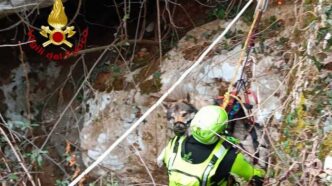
[171, 161]
[184, 173]
[213, 161]
[206, 174]
[220, 152]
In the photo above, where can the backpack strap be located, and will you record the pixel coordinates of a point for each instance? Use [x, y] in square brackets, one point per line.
[212, 163]
[174, 152]
[255, 142]
[227, 162]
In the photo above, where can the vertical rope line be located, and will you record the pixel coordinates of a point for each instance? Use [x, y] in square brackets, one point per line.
[244, 51]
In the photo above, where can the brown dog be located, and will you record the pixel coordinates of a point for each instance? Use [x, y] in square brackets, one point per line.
[179, 115]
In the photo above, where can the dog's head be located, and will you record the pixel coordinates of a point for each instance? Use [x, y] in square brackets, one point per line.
[179, 115]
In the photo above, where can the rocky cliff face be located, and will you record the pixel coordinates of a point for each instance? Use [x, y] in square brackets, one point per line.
[273, 78]
[114, 112]
[291, 75]
[12, 6]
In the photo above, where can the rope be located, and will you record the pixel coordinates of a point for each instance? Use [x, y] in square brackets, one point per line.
[261, 7]
[241, 83]
[160, 100]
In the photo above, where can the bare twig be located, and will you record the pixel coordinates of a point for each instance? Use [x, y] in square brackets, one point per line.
[244, 150]
[27, 91]
[144, 164]
[76, 13]
[159, 31]
[75, 95]
[137, 30]
[16, 155]
[18, 44]
[126, 63]
[11, 26]
[35, 146]
[95, 49]
[185, 11]
[201, 3]
[167, 9]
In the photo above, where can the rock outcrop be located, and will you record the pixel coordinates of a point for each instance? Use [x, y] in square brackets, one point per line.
[110, 114]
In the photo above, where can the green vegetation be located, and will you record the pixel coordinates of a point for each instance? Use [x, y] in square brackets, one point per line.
[36, 156]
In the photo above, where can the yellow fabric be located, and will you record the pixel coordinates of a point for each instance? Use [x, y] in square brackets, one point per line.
[182, 172]
[242, 168]
[185, 173]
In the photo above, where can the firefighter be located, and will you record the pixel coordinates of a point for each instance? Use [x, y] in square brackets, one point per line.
[203, 158]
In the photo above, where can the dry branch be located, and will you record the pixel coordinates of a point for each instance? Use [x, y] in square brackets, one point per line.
[20, 161]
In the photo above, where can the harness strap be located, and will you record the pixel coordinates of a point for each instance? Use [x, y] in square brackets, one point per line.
[227, 163]
[255, 142]
[212, 163]
[173, 155]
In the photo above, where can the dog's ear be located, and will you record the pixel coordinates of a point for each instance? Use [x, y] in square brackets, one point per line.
[165, 106]
[188, 99]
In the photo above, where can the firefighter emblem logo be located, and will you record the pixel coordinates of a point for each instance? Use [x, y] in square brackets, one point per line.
[59, 32]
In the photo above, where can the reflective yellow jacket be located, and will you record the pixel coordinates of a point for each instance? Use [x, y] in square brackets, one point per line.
[182, 172]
